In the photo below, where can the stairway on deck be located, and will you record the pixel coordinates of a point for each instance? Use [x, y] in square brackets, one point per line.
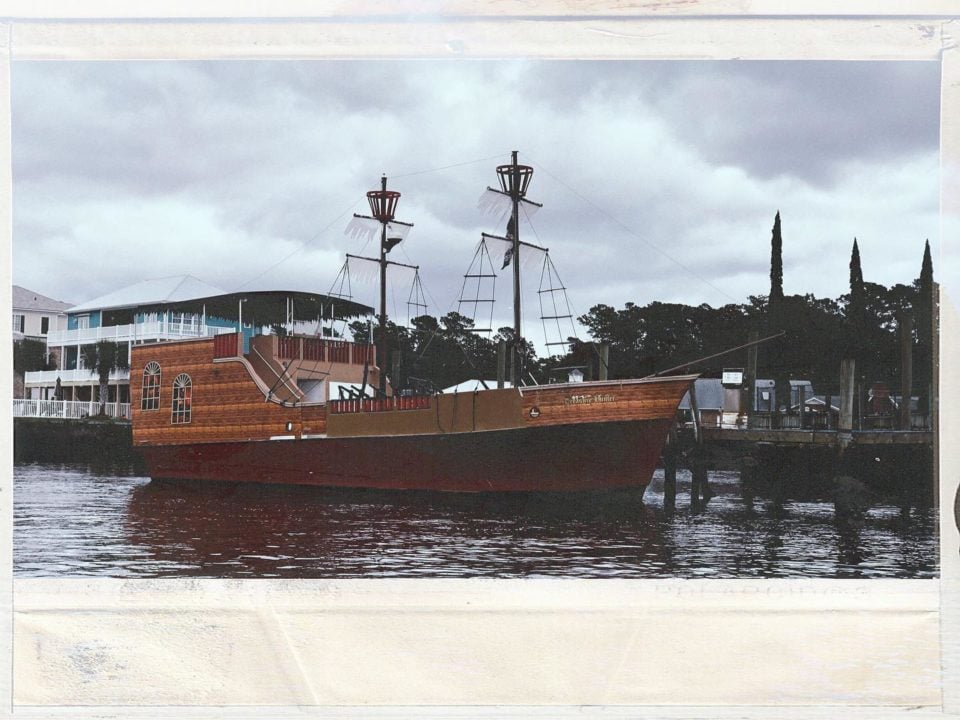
[270, 370]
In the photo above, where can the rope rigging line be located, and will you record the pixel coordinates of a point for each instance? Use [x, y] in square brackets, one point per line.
[344, 277]
[634, 233]
[297, 249]
[549, 274]
[433, 300]
[566, 297]
[416, 299]
[447, 167]
[484, 271]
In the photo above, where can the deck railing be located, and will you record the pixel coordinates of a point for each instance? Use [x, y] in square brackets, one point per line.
[412, 402]
[68, 409]
[226, 345]
[323, 350]
[133, 332]
[87, 377]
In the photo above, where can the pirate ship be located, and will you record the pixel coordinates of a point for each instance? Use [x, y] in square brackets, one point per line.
[264, 409]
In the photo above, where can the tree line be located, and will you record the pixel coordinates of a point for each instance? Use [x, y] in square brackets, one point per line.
[863, 324]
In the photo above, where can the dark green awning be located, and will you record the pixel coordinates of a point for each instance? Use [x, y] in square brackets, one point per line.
[268, 307]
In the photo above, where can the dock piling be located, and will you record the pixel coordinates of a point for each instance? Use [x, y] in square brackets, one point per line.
[700, 491]
[670, 451]
[501, 363]
[845, 424]
[751, 379]
[905, 322]
[603, 349]
[695, 410]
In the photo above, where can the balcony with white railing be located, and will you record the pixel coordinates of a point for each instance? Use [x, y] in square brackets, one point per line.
[135, 332]
[75, 377]
[68, 409]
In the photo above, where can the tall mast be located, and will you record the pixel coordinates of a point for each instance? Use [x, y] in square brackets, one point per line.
[514, 180]
[515, 222]
[383, 205]
[382, 344]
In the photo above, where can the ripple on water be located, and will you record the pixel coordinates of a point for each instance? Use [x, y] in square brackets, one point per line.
[71, 521]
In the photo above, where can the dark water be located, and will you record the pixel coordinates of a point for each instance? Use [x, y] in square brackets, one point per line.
[72, 521]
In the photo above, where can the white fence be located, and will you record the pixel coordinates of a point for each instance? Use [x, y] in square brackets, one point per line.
[86, 377]
[150, 330]
[70, 409]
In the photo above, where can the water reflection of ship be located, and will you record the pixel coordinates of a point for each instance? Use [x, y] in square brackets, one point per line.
[252, 530]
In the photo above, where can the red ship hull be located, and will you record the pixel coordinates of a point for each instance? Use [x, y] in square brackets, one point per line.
[594, 456]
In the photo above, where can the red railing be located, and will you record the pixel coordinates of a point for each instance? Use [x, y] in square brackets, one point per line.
[362, 354]
[288, 347]
[413, 402]
[338, 351]
[226, 345]
[313, 349]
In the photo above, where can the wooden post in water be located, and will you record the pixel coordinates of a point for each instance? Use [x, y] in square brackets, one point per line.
[501, 363]
[699, 490]
[751, 378]
[695, 411]
[699, 486]
[905, 323]
[670, 451]
[845, 424]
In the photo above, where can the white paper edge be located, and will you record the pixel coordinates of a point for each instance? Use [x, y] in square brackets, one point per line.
[830, 46]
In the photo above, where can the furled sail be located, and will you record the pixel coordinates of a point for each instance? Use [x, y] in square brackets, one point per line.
[367, 228]
[499, 205]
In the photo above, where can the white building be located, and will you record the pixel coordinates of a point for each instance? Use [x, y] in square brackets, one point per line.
[36, 315]
[134, 314]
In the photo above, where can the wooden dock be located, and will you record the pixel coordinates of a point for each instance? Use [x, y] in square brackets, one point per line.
[818, 437]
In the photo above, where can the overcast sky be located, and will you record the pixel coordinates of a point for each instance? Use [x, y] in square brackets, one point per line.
[660, 180]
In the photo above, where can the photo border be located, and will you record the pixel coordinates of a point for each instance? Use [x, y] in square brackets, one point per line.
[47, 610]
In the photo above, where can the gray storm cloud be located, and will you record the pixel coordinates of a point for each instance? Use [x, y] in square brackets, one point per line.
[659, 180]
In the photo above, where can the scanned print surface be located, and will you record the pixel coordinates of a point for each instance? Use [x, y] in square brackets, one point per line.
[209, 186]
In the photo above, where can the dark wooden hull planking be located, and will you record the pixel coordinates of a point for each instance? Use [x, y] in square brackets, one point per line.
[593, 456]
[567, 437]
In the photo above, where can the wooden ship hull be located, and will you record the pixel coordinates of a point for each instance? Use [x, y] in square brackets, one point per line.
[247, 421]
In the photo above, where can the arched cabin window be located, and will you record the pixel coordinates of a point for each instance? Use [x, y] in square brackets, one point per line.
[182, 390]
[150, 395]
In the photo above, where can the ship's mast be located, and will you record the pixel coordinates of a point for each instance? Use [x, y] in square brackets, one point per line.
[514, 180]
[383, 205]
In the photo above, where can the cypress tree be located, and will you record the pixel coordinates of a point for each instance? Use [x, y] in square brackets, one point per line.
[925, 337]
[925, 299]
[777, 317]
[856, 277]
[856, 313]
[776, 263]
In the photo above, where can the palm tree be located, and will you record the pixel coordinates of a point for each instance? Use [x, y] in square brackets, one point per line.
[103, 358]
